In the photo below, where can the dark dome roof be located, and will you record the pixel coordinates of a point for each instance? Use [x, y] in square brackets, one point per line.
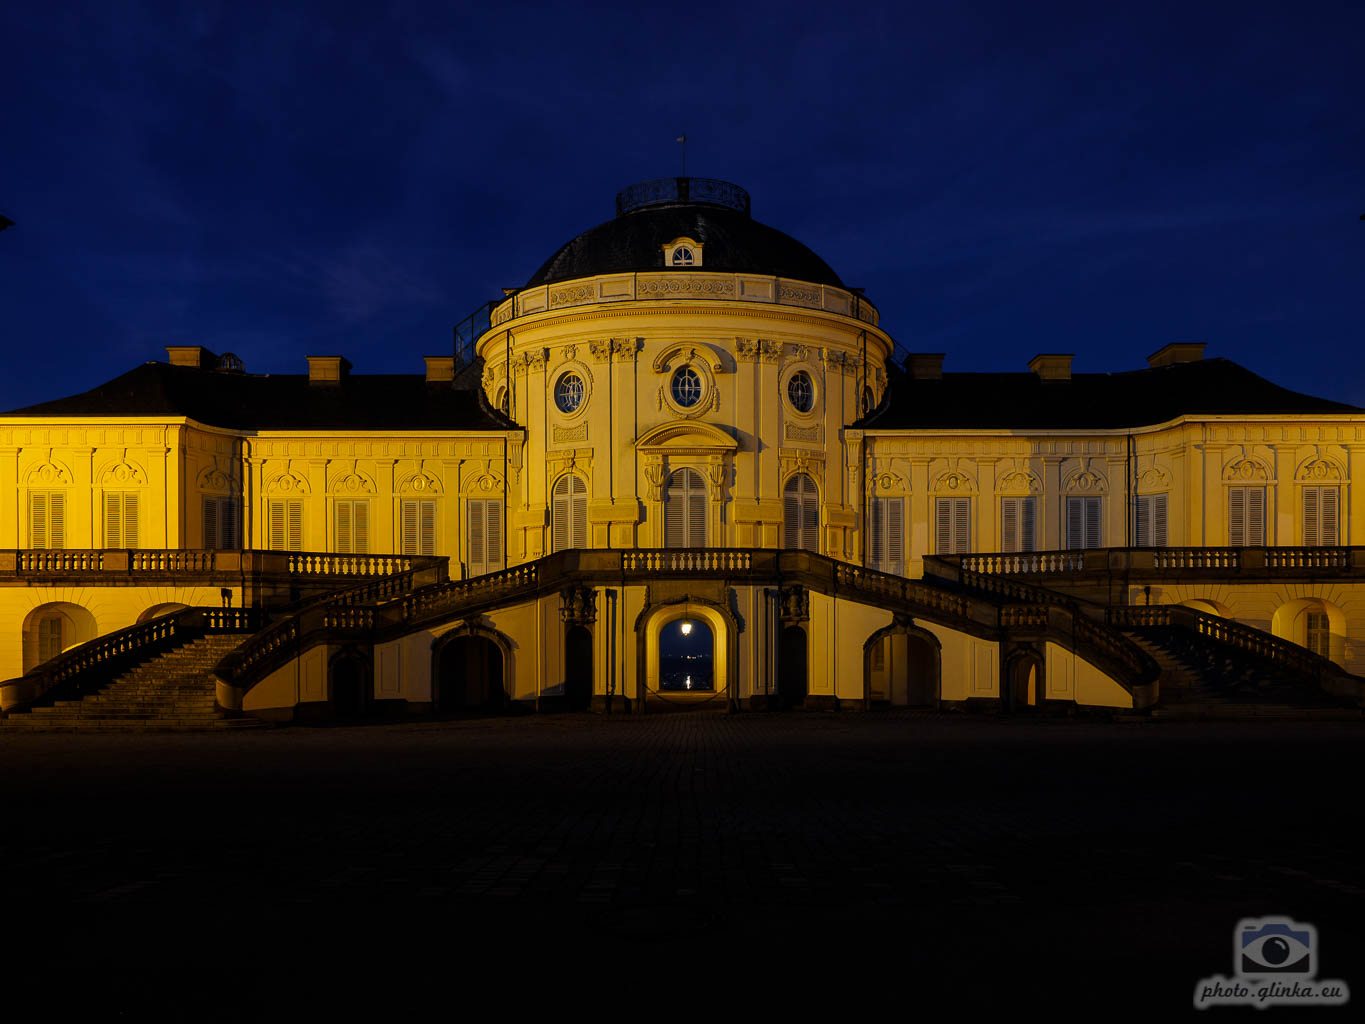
[732, 242]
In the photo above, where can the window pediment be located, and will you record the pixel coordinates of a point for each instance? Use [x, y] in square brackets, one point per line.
[687, 436]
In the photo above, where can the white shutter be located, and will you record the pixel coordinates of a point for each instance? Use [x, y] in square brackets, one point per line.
[275, 526]
[1158, 539]
[801, 513]
[113, 520]
[56, 520]
[1084, 523]
[1237, 516]
[1320, 516]
[685, 511]
[1017, 523]
[485, 536]
[1093, 523]
[407, 524]
[478, 541]
[1009, 524]
[962, 527]
[360, 514]
[211, 524]
[1143, 530]
[877, 534]
[294, 536]
[229, 524]
[1330, 534]
[38, 521]
[569, 513]
[1255, 532]
[130, 520]
[893, 543]
[345, 528]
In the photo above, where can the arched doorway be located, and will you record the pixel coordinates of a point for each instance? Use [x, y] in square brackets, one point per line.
[52, 628]
[469, 675]
[801, 514]
[349, 687]
[1315, 623]
[577, 668]
[901, 667]
[1024, 681]
[792, 667]
[687, 655]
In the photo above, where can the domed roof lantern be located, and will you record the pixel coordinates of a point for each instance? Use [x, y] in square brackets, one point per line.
[682, 192]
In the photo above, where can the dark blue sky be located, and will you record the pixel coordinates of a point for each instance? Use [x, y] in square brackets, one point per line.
[1004, 179]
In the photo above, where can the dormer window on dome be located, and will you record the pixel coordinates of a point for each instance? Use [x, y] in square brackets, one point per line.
[682, 252]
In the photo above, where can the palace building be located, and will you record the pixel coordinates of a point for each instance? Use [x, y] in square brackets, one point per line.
[684, 465]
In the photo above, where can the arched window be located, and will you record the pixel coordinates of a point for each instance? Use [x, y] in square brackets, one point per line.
[569, 505]
[682, 257]
[801, 514]
[685, 510]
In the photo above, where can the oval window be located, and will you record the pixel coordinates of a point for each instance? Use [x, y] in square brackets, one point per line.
[686, 387]
[801, 391]
[569, 392]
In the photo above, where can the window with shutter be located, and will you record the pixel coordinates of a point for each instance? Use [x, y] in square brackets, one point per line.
[1246, 517]
[485, 535]
[952, 525]
[352, 527]
[220, 522]
[47, 519]
[888, 535]
[801, 513]
[417, 521]
[569, 513]
[1151, 521]
[1319, 633]
[1018, 523]
[685, 510]
[284, 525]
[1084, 522]
[1320, 507]
[50, 637]
[120, 519]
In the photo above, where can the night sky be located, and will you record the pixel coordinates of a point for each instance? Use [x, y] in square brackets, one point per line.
[278, 180]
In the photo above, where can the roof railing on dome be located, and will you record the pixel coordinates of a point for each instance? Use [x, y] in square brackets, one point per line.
[469, 330]
[671, 191]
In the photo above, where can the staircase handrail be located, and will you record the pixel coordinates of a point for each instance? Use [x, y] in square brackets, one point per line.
[72, 668]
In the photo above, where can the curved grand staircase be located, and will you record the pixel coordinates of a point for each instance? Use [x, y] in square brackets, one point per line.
[173, 690]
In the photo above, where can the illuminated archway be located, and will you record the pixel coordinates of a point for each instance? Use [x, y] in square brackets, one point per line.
[1208, 607]
[1315, 623]
[1025, 684]
[55, 627]
[703, 619]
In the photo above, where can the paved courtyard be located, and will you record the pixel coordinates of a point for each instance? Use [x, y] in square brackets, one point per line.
[987, 861]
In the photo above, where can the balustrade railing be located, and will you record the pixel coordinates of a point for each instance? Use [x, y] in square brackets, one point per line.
[1133, 562]
[1307, 558]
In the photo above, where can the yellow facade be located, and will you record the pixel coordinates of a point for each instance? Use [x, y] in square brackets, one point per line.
[736, 402]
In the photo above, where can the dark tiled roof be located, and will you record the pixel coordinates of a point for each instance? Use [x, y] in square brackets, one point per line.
[1100, 401]
[281, 401]
[731, 242]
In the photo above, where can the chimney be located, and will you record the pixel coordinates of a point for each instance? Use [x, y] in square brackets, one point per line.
[440, 369]
[191, 355]
[924, 365]
[1176, 352]
[327, 369]
[1051, 365]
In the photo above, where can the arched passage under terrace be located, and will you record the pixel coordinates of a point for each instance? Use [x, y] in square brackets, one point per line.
[1024, 680]
[469, 673]
[902, 667]
[1315, 623]
[55, 627]
[687, 652]
[158, 610]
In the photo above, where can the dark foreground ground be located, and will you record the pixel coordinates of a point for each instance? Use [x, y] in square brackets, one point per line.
[753, 864]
